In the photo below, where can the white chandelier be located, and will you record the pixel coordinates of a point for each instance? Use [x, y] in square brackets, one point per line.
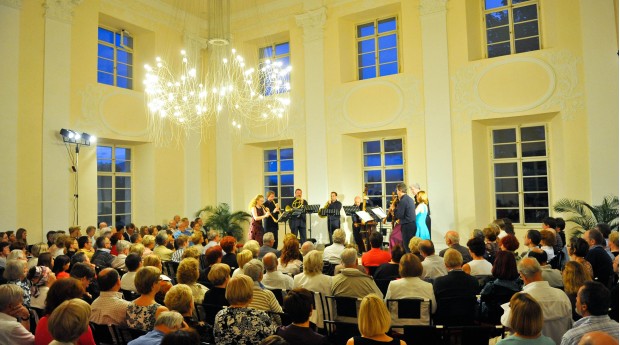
[192, 100]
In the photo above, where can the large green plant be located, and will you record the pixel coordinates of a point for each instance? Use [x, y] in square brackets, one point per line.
[586, 216]
[220, 218]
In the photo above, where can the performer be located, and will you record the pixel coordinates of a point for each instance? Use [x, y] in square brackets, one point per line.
[421, 213]
[405, 214]
[333, 222]
[415, 189]
[270, 224]
[298, 223]
[358, 227]
[258, 214]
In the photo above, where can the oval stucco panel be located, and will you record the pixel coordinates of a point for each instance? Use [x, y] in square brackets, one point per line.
[371, 105]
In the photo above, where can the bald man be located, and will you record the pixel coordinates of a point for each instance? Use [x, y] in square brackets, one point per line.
[358, 227]
[452, 241]
[275, 279]
[598, 338]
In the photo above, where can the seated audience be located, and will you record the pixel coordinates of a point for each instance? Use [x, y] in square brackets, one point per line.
[196, 242]
[414, 247]
[410, 285]
[103, 257]
[133, 262]
[143, 311]
[180, 299]
[148, 242]
[455, 293]
[84, 273]
[229, 246]
[86, 246]
[613, 243]
[61, 266]
[306, 248]
[242, 258]
[599, 258]
[219, 276]
[548, 242]
[273, 278]
[509, 243]
[389, 270]
[36, 250]
[350, 281]
[290, 259]
[298, 304]
[433, 264]
[551, 224]
[262, 299]
[478, 266]
[332, 252]
[122, 248]
[577, 251]
[213, 256]
[549, 274]
[374, 322]
[46, 259]
[574, 277]
[491, 245]
[532, 241]
[253, 246]
[14, 317]
[238, 324]
[109, 308]
[375, 256]
[180, 243]
[5, 249]
[166, 322]
[313, 279]
[213, 239]
[593, 305]
[161, 249]
[268, 246]
[500, 290]
[187, 274]
[41, 278]
[181, 337]
[15, 273]
[69, 321]
[526, 321]
[452, 241]
[554, 302]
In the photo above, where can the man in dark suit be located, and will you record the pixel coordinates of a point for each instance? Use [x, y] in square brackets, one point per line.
[452, 241]
[298, 223]
[267, 247]
[597, 256]
[455, 293]
[405, 215]
[333, 222]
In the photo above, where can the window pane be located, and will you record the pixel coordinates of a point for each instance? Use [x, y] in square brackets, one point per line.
[524, 13]
[498, 49]
[527, 45]
[123, 207]
[104, 165]
[124, 57]
[505, 151]
[388, 41]
[388, 55]
[367, 73]
[286, 165]
[526, 29]
[394, 158]
[391, 187]
[386, 25]
[122, 153]
[533, 133]
[123, 166]
[104, 208]
[287, 180]
[104, 181]
[394, 175]
[271, 155]
[393, 145]
[287, 191]
[372, 160]
[535, 215]
[104, 195]
[285, 61]
[533, 149]
[106, 35]
[535, 184]
[271, 166]
[106, 219]
[490, 4]
[511, 213]
[377, 202]
[536, 199]
[128, 41]
[125, 218]
[124, 83]
[505, 169]
[374, 188]
[271, 181]
[499, 18]
[266, 52]
[105, 65]
[365, 60]
[496, 35]
[372, 176]
[286, 153]
[282, 48]
[365, 30]
[372, 146]
[504, 136]
[507, 200]
[534, 168]
[104, 152]
[123, 181]
[366, 46]
[388, 69]
[506, 185]
[106, 52]
[123, 195]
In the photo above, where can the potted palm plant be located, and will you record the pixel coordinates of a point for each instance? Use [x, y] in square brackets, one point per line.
[220, 218]
[586, 216]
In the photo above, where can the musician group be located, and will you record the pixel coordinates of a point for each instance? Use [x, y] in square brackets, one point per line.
[409, 217]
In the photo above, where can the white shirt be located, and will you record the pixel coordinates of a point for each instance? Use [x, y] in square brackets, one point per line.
[411, 287]
[127, 281]
[315, 283]
[332, 253]
[480, 268]
[549, 251]
[12, 332]
[277, 280]
[109, 309]
[209, 245]
[434, 267]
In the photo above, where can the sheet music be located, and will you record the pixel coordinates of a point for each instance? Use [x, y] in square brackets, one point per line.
[365, 216]
[378, 211]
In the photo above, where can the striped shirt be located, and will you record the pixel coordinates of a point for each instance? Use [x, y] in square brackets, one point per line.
[590, 324]
[264, 300]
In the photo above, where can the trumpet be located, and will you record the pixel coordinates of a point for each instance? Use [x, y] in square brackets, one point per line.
[270, 215]
[324, 207]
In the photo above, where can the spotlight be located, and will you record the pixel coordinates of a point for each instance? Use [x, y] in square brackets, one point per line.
[74, 137]
[64, 132]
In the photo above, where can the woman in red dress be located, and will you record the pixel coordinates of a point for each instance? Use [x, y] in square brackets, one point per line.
[259, 212]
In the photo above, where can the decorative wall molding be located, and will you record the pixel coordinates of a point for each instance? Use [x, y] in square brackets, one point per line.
[312, 23]
[432, 6]
[60, 10]
[16, 4]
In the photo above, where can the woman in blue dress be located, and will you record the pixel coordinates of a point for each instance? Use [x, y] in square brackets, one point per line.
[421, 211]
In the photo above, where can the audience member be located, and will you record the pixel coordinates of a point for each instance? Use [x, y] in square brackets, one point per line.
[452, 241]
[229, 246]
[455, 292]
[414, 247]
[5, 249]
[548, 242]
[14, 317]
[15, 273]
[219, 275]
[306, 248]
[242, 258]
[350, 281]
[61, 266]
[253, 246]
[84, 273]
[613, 243]
[599, 259]
[491, 245]
[375, 256]
[102, 256]
[389, 270]
[166, 322]
[69, 321]
[187, 273]
[509, 243]
[551, 224]
[109, 308]
[410, 285]
[179, 298]
[143, 311]
[573, 277]
[290, 259]
[499, 291]
[478, 266]
[262, 299]
[86, 246]
[313, 279]
[36, 250]
[213, 256]
[298, 305]
[526, 321]
[531, 241]
[273, 278]
[148, 242]
[122, 247]
[161, 249]
[46, 259]
[332, 252]
[577, 250]
[549, 274]
[374, 322]
[180, 243]
[183, 228]
[41, 278]
[133, 263]
[433, 264]
[213, 238]
[196, 242]
[181, 337]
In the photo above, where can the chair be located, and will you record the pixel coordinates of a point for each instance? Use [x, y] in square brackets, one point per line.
[279, 295]
[319, 313]
[410, 311]
[207, 312]
[420, 334]
[285, 319]
[341, 320]
[471, 335]
[556, 262]
[129, 295]
[105, 334]
[328, 268]
[126, 335]
[483, 279]
[383, 285]
[170, 268]
[371, 270]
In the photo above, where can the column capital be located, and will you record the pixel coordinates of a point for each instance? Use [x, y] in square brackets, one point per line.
[432, 6]
[60, 10]
[16, 4]
[312, 22]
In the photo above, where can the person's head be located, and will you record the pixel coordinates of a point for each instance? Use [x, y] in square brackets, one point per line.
[349, 258]
[613, 241]
[239, 290]
[476, 247]
[401, 189]
[40, 276]
[108, 279]
[530, 270]
[49, 236]
[489, 234]
[136, 248]
[421, 197]
[427, 248]
[306, 247]
[509, 243]
[11, 296]
[103, 242]
[298, 193]
[69, 320]
[532, 238]
[191, 252]
[188, 271]
[78, 257]
[162, 238]
[90, 231]
[376, 239]
[132, 262]
[539, 255]
[594, 237]
[548, 223]
[505, 266]
[244, 257]
[148, 241]
[84, 273]
[274, 340]
[45, 259]
[313, 263]
[397, 253]
[122, 247]
[219, 274]
[18, 251]
[526, 316]
[290, 250]
[75, 231]
[414, 245]
[298, 304]
[253, 246]
[147, 280]
[169, 321]
[452, 259]
[152, 260]
[179, 298]
[213, 235]
[410, 266]
[560, 224]
[5, 249]
[578, 247]
[15, 270]
[187, 336]
[60, 291]
[452, 238]
[213, 255]
[21, 235]
[339, 236]
[270, 261]
[135, 238]
[228, 244]
[604, 228]
[597, 338]
[574, 276]
[38, 249]
[508, 227]
[84, 243]
[593, 298]
[254, 269]
[374, 318]
[181, 242]
[547, 237]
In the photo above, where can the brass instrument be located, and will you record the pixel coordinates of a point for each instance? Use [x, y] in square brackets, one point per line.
[324, 207]
[393, 206]
[297, 203]
[270, 215]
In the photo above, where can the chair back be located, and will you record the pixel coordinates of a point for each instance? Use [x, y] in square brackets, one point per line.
[170, 268]
[371, 270]
[383, 284]
[483, 279]
[343, 309]
[319, 313]
[129, 295]
[279, 295]
[410, 311]
[207, 312]
[105, 334]
[328, 268]
[471, 335]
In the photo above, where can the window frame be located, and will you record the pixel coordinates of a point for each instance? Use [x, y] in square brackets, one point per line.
[386, 196]
[113, 174]
[278, 173]
[122, 47]
[275, 57]
[519, 160]
[511, 36]
[376, 50]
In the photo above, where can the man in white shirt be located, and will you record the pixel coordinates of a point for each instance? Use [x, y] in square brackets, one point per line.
[14, 317]
[557, 310]
[332, 252]
[275, 279]
[433, 265]
[133, 262]
[122, 247]
[213, 238]
[109, 308]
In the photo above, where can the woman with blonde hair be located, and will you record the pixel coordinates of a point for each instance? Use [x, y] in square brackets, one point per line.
[36, 250]
[188, 273]
[69, 321]
[373, 322]
[574, 276]
[421, 212]
[242, 258]
[313, 279]
[142, 312]
[259, 212]
[290, 259]
[526, 320]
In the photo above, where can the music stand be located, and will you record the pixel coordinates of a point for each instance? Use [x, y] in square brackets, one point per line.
[310, 209]
[349, 211]
[379, 215]
[324, 212]
[284, 217]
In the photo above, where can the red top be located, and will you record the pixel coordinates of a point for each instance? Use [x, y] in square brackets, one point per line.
[42, 335]
[375, 257]
[63, 274]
